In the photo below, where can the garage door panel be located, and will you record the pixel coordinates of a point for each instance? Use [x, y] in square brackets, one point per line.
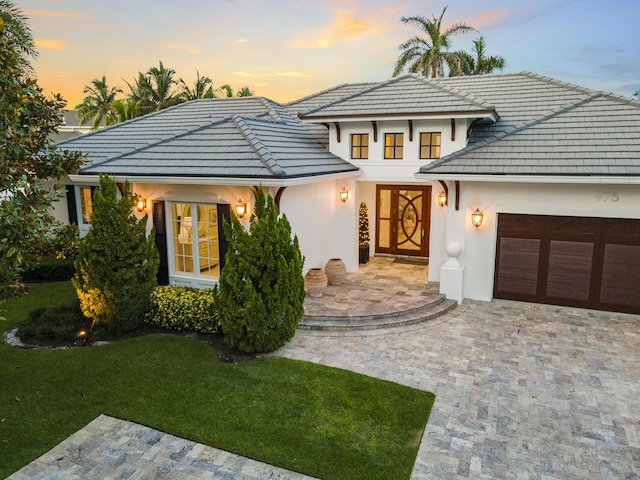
[569, 273]
[574, 261]
[621, 275]
[518, 266]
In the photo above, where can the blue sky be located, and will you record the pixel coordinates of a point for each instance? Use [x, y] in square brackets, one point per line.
[286, 49]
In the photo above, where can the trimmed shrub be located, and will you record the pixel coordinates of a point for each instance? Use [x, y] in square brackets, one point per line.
[182, 308]
[59, 324]
[261, 294]
[50, 270]
[117, 263]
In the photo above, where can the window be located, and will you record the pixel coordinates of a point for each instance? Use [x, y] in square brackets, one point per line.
[195, 239]
[393, 145]
[430, 145]
[86, 205]
[359, 146]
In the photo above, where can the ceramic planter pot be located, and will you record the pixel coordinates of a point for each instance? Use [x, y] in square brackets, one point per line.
[315, 281]
[335, 270]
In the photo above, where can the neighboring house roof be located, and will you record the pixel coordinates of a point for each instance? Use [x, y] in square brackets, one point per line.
[240, 138]
[409, 96]
[546, 128]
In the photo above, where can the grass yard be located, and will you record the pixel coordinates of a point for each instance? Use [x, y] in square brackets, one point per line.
[321, 421]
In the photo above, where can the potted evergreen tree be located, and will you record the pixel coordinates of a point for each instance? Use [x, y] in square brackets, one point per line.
[363, 233]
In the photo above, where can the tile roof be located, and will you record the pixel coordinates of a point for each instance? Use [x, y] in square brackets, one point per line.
[250, 137]
[408, 96]
[548, 128]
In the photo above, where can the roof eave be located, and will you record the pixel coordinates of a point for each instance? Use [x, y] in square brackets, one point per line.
[236, 181]
[558, 179]
[491, 115]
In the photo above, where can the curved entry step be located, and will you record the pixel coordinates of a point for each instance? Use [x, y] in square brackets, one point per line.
[406, 317]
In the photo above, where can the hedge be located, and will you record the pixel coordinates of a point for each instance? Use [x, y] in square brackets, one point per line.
[183, 308]
[50, 270]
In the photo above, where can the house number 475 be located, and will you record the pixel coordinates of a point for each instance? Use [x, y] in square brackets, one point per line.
[607, 196]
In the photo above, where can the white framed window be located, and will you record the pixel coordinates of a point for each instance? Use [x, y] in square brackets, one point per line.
[195, 239]
[85, 194]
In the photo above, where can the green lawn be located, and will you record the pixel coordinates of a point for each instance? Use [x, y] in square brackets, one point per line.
[321, 421]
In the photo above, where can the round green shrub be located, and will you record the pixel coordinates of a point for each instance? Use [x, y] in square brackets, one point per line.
[182, 308]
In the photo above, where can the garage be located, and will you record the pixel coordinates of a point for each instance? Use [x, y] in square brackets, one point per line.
[580, 262]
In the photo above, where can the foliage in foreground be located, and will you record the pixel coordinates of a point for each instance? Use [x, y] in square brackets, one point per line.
[183, 308]
[323, 422]
[261, 289]
[117, 263]
[27, 155]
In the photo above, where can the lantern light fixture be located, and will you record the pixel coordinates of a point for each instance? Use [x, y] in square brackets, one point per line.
[241, 208]
[476, 218]
[344, 195]
[442, 199]
[141, 204]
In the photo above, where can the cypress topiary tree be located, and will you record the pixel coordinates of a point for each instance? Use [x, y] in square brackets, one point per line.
[261, 290]
[117, 263]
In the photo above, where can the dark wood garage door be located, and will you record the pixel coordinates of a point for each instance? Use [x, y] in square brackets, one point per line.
[573, 261]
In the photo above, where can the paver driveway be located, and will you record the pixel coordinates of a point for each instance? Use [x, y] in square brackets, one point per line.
[524, 391]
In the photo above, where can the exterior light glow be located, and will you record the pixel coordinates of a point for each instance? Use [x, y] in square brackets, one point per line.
[241, 208]
[442, 199]
[344, 195]
[476, 218]
[141, 204]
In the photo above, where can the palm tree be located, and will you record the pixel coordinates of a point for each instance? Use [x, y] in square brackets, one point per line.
[227, 91]
[124, 110]
[481, 64]
[202, 88]
[96, 106]
[429, 54]
[14, 23]
[153, 90]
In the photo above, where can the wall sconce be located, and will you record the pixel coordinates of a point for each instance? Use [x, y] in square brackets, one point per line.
[241, 208]
[344, 195]
[141, 204]
[442, 199]
[476, 218]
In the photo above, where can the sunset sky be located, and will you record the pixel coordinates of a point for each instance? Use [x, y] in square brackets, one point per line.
[286, 49]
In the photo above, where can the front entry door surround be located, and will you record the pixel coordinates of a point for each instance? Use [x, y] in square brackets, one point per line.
[402, 219]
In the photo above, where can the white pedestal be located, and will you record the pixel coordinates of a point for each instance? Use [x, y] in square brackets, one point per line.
[451, 277]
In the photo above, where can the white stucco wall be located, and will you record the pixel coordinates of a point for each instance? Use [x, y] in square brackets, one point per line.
[479, 245]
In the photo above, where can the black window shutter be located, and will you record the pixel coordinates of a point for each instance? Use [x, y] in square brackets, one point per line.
[159, 222]
[224, 212]
[71, 204]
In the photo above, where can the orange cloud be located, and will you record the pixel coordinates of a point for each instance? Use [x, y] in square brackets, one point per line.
[49, 13]
[50, 44]
[179, 46]
[344, 26]
[489, 18]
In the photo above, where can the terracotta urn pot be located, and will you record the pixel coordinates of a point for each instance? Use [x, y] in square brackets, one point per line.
[335, 270]
[315, 281]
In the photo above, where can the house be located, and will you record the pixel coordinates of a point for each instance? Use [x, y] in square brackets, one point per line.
[549, 171]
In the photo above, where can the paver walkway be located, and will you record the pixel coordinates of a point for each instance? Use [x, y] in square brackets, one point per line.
[523, 391]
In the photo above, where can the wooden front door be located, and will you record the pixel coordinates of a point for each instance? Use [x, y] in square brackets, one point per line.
[402, 219]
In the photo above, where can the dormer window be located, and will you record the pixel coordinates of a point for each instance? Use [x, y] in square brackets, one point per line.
[393, 145]
[430, 144]
[359, 146]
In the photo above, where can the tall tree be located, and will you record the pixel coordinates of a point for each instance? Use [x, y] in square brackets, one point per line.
[125, 109]
[96, 107]
[17, 29]
[429, 54]
[202, 88]
[480, 64]
[27, 158]
[227, 91]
